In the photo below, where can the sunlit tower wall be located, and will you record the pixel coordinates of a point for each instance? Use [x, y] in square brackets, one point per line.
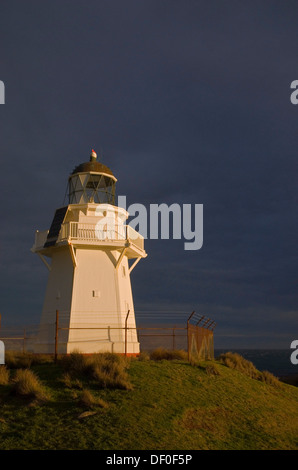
[90, 254]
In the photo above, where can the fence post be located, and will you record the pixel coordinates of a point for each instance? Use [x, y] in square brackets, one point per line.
[126, 332]
[24, 341]
[56, 334]
[174, 344]
[188, 345]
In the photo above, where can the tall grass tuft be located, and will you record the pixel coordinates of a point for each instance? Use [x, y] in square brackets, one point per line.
[88, 400]
[143, 356]
[24, 360]
[237, 362]
[160, 354]
[270, 379]
[26, 384]
[70, 382]
[75, 363]
[16, 360]
[106, 369]
[4, 375]
[212, 370]
[109, 371]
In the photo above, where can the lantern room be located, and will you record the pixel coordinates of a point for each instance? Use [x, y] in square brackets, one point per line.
[91, 182]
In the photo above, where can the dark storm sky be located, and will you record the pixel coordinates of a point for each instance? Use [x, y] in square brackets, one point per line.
[190, 102]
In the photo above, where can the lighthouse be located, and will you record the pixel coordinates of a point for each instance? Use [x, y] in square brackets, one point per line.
[89, 252]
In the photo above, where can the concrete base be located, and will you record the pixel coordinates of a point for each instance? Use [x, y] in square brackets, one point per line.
[86, 347]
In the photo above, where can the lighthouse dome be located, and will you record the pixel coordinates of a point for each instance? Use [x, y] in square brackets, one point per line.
[93, 166]
[91, 182]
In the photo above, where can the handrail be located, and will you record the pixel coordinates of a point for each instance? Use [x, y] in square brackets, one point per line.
[77, 231]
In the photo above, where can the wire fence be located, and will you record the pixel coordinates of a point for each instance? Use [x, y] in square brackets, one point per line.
[195, 335]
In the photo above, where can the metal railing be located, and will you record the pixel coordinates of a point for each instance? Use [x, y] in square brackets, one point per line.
[94, 233]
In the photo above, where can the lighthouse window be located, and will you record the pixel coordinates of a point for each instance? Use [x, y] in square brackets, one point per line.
[93, 182]
[123, 271]
[91, 188]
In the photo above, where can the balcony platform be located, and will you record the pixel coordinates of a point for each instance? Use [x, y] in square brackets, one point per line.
[86, 235]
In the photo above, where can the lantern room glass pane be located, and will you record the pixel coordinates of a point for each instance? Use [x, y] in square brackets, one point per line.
[91, 188]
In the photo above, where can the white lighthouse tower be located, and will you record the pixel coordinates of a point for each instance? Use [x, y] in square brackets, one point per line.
[90, 253]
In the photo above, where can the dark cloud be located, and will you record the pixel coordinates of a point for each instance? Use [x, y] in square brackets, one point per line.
[190, 103]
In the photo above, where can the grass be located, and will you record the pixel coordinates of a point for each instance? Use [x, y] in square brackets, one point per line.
[160, 354]
[88, 400]
[143, 356]
[212, 370]
[19, 360]
[69, 382]
[26, 384]
[172, 406]
[269, 379]
[4, 375]
[106, 370]
[235, 361]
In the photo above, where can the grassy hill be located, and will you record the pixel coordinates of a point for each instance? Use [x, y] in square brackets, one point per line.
[171, 405]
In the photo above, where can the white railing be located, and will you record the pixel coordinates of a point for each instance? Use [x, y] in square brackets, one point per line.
[134, 237]
[94, 233]
[76, 231]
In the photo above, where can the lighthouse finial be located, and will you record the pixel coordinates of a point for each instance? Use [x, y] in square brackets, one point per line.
[93, 156]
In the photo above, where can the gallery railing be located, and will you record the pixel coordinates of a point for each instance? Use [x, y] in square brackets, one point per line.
[92, 233]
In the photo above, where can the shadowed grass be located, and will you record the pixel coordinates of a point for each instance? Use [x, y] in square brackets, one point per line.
[107, 370]
[4, 375]
[88, 400]
[143, 356]
[69, 382]
[212, 370]
[26, 384]
[20, 360]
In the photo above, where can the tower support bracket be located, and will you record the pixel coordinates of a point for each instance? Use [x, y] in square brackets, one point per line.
[120, 258]
[44, 261]
[134, 264]
[73, 255]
